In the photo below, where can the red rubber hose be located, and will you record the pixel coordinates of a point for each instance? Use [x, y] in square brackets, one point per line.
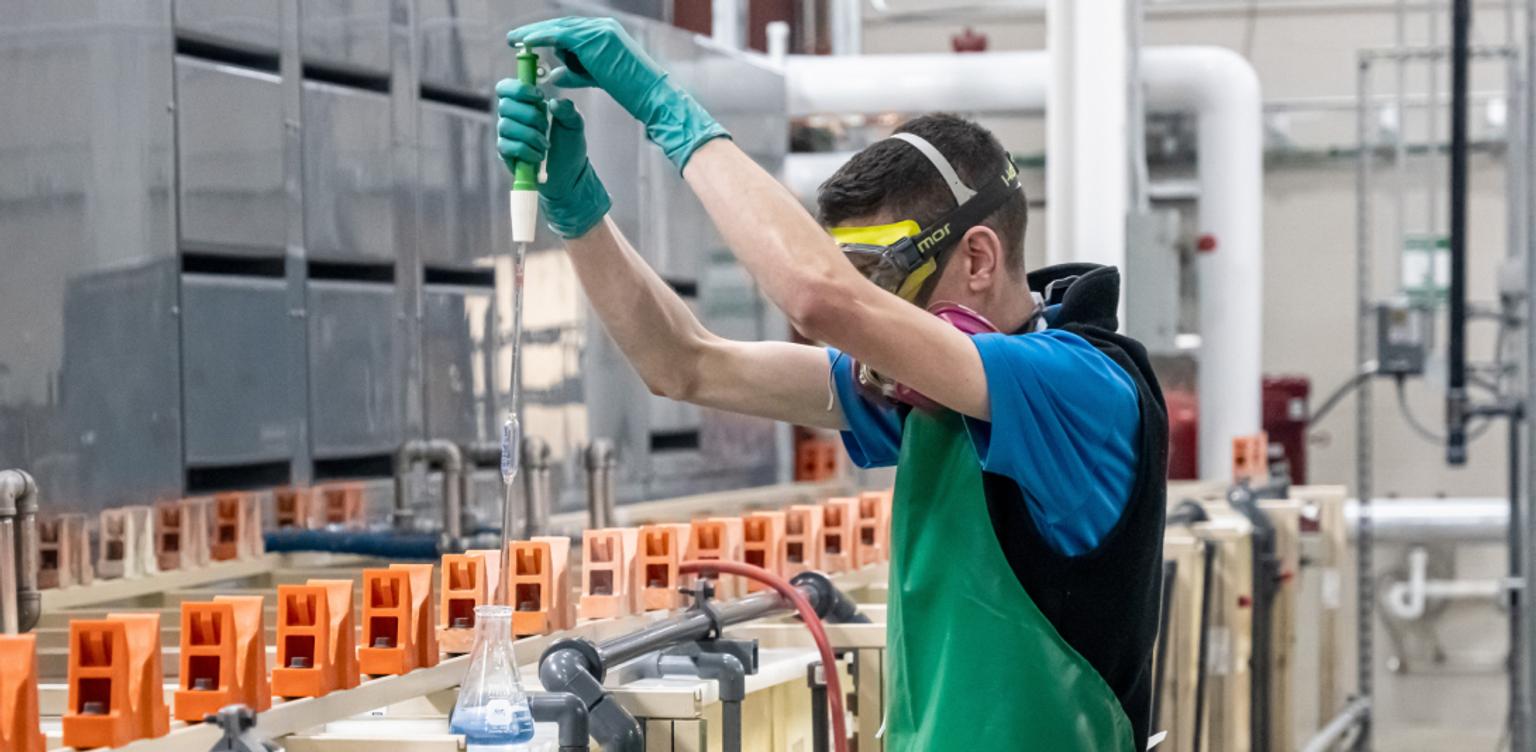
[812, 623]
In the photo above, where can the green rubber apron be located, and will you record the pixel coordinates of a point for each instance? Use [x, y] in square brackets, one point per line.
[973, 664]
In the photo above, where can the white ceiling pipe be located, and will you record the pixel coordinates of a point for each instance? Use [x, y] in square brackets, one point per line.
[1218, 85]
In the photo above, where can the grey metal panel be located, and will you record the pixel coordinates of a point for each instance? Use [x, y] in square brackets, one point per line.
[354, 373]
[243, 389]
[348, 33]
[454, 38]
[248, 23]
[458, 338]
[458, 168]
[347, 174]
[88, 286]
[229, 151]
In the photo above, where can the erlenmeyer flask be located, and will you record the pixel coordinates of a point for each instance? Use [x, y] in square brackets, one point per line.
[492, 711]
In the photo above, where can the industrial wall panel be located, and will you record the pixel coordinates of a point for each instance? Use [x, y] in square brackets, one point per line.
[457, 200]
[229, 153]
[89, 349]
[455, 49]
[351, 34]
[243, 386]
[348, 209]
[254, 24]
[355, 384]
[458, 340]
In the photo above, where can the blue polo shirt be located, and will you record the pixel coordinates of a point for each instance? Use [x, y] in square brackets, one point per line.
[1064, 427]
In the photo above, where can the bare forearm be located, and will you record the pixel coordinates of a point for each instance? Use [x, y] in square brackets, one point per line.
[678, 358]
[652, 325]
[790, 256]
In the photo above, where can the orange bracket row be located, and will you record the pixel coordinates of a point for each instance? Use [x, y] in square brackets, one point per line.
[19, 709]
[316, 639]
[469, 580]
[398, 633]
[116, 692]
[223, 657]
[331, 504]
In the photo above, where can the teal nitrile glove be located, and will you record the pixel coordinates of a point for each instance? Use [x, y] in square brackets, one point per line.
[571, 198]
[598, 52]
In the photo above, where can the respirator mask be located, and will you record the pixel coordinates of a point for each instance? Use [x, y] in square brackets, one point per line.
[902, 257]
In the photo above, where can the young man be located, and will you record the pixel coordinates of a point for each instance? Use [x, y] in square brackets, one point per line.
[1027, 536]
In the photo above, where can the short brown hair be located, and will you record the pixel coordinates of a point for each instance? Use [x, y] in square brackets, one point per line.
[893, 178]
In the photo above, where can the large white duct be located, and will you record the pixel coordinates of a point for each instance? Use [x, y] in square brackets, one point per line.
[1218, 85]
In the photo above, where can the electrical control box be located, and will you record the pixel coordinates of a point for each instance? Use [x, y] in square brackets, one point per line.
[1402, 338]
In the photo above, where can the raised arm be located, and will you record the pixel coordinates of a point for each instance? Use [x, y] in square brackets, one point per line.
[668, 346]
[795, 262]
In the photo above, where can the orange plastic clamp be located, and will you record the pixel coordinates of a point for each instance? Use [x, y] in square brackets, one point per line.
[387, 647]
[294, 507]
[99, 714]
[196, 522]
[116, 681]
[236, 526]
[168, 521]
[661, 550]
[469, 579]
[1250, 457]
[763, 544]
[872, 528]
[341, 504]
[250, 649]
[802, 539]
[125, 531]
[19, 710]
[314, 653]
[609, 588]
[208, 678]
[423, 596]
[343, 614]
[815, 458]
[398, 633]
[53, 554]
[718, 539]
[837, 533]
[538, 585]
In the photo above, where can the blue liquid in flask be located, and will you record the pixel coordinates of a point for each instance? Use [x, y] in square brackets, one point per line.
[492, 711]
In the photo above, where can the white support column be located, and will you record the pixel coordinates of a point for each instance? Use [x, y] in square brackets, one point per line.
[1086, 171]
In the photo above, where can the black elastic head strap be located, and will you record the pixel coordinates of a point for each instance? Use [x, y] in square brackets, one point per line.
[939, 236]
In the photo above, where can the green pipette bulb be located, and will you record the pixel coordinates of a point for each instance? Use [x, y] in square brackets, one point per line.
[525, 176]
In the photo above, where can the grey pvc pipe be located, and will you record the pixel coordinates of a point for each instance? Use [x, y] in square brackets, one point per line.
[455, 483]
[22, 601]
[690, 625]
[537, 493]
[600, 461]
[10, 618]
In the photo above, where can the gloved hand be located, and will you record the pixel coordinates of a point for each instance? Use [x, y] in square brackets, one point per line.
[571, 198]
[597, 52]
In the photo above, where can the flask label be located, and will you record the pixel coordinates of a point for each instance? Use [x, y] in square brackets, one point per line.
[498, 715]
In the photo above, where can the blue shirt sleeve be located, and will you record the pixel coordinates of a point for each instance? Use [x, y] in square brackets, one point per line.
[873, 438]
[1065, 422]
